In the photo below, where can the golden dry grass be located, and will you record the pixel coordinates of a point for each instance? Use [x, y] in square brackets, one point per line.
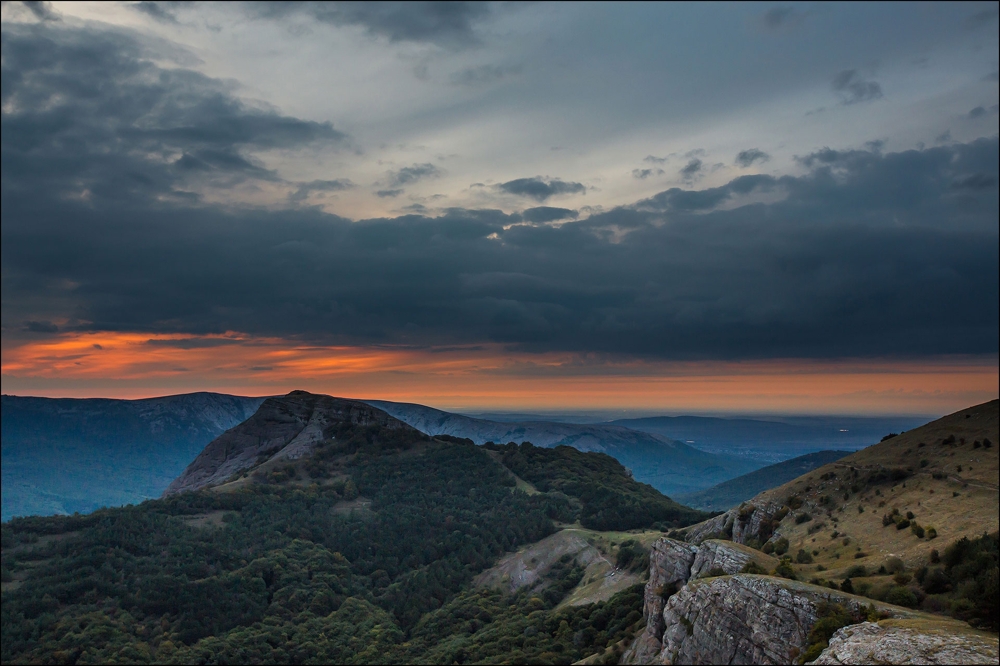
[962, 501]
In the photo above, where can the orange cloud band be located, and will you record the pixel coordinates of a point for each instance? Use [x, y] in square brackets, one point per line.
[487, 377]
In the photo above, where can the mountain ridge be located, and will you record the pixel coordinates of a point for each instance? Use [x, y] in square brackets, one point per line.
[670, 466]
[62, 455]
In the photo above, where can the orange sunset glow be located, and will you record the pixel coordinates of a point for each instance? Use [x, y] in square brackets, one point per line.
[132, 365]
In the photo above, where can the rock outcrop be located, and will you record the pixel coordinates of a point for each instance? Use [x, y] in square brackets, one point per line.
[672, 564]
[750, 521]
[870, 643]
[286, 427]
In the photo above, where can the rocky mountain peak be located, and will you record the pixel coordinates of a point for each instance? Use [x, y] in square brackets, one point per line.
[285, 427]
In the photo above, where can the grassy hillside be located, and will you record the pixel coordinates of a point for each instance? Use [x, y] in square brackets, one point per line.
[64, 455]
[912, 520]
[363, 551]
[730, 493]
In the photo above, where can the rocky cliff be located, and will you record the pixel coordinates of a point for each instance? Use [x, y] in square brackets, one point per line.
[286, 427]
[672, 564]
[700, 610]
[893, 642]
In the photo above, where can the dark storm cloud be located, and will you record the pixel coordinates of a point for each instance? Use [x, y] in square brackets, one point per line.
[864, 253]
[411, 174]
[539, 188]
[42, 10]
[853, 88]
[156, 10]
[542, 214]
[448, 24]
[745, 158]
[977, 112]
[305, 189]
[691, 169]
[643, 174]
[41, 327]
[388, 194]
[87, 114]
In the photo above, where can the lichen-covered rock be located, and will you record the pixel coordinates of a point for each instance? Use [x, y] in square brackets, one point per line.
[870, 643]
[753, 520]
[736, 620]
[713, 528]
[669, 568]
[741, 619]
[672, 564]
[719, 555]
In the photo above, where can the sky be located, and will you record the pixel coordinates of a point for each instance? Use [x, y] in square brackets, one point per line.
[671, 208]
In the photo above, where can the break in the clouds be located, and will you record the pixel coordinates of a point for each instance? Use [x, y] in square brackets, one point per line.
[149, 190]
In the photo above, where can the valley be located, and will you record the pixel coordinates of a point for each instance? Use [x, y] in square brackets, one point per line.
[323, 529]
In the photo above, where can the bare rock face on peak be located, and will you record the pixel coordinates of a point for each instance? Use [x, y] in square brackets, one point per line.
[286, 427]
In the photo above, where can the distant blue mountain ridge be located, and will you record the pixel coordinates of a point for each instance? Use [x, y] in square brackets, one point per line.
[77, 455]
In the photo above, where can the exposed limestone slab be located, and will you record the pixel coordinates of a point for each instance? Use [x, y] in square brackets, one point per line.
[889, 643]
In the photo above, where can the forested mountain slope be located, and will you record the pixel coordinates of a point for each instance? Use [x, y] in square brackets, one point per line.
[67, 455]
[361, 549]
[670, 466]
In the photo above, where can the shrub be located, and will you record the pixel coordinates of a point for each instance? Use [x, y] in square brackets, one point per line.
[793, 501]
[767, 548]
[784, 569]
[802, 518]
[931, 533]
[901, 596]
[752, 567]
[781, 546]
[935, 581]
[918, 530]
[903, 524]
[987, 444]
[909, 515]
[902, 578]
[858, 555]
[894, 565]
[803, 557]
[832, 618]
[856, 571]
[782, 512]
[847, 586]
[924, 463]
[887, 520]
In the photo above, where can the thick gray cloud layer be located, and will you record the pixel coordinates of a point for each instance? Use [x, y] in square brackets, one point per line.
[864, 253]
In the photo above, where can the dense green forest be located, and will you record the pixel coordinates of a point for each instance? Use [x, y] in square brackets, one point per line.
[372, 563]
[611, 499]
